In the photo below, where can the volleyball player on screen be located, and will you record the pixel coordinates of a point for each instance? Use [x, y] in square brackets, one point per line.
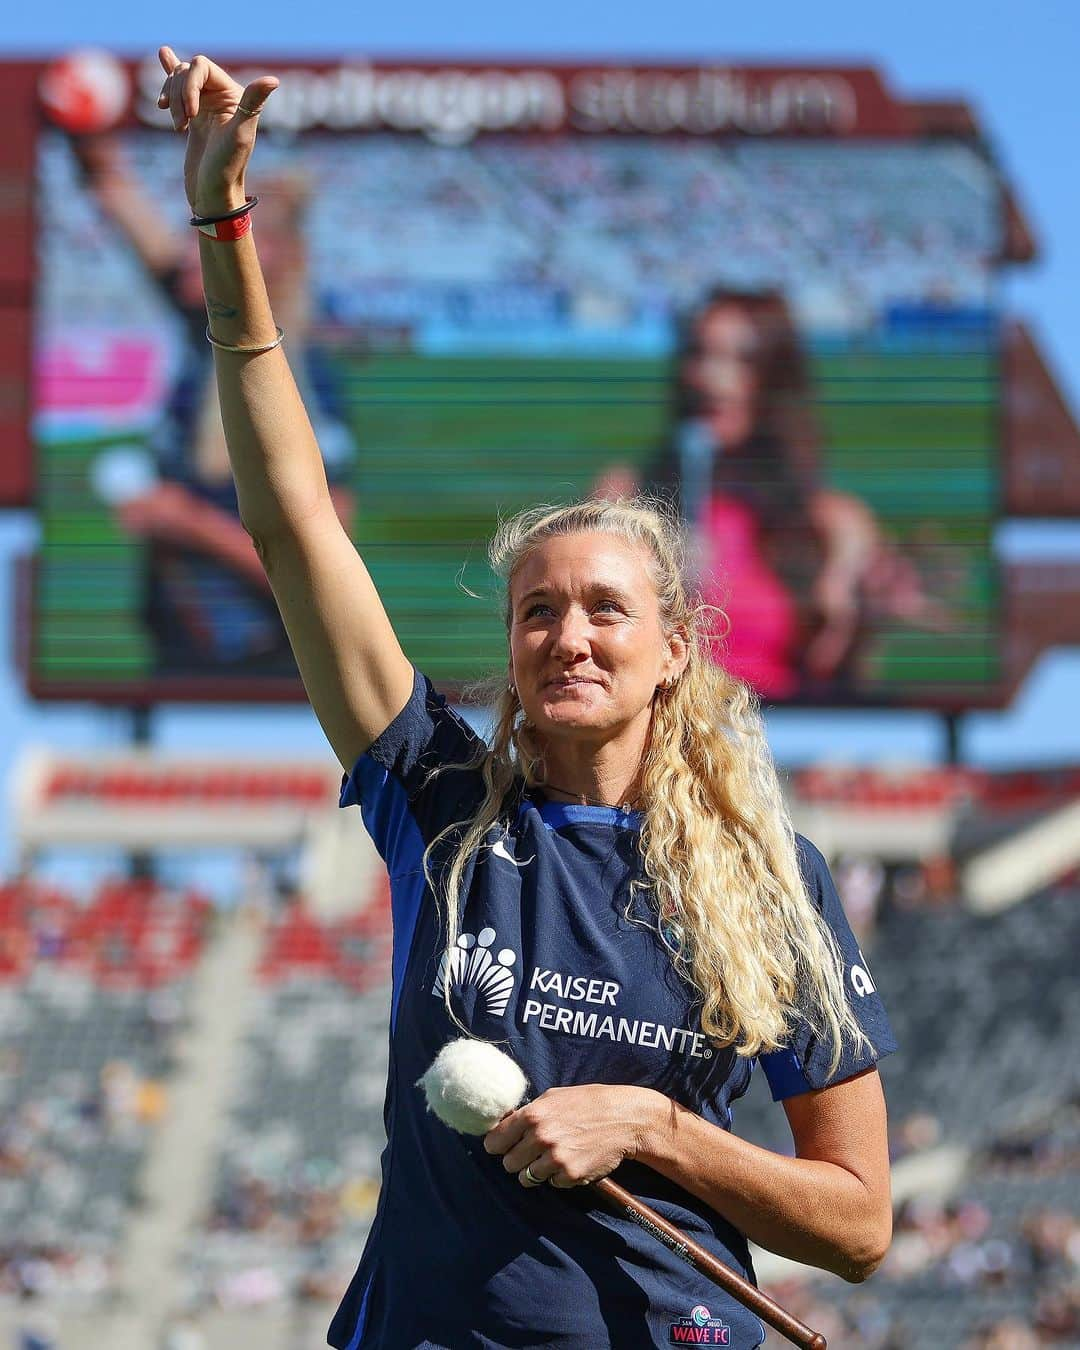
[206, 602]
[611, 890]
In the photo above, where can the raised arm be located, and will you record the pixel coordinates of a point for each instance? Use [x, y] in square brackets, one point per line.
[123, 199]
[355, 673]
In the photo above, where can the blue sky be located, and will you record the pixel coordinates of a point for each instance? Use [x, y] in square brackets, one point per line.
[1015, 64]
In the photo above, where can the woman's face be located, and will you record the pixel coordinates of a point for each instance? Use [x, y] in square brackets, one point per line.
[587, 649]
[722, 370]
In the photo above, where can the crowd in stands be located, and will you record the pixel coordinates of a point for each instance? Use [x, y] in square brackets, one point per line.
[132, 934]
[296, 1186]
[623, 229]
[985, 1010]
[994, 1267]
[91, 995]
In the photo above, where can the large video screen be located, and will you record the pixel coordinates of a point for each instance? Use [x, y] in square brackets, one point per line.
[794, 340]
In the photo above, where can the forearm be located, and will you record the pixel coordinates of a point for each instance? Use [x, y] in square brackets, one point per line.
[125, 201]
[812, 1211]
[127, 207]
[280, 479]
[848, 533]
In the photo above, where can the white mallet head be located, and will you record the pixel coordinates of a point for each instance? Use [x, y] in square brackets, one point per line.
[471, 1085]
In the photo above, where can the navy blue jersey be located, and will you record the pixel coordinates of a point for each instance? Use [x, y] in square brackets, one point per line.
[560, 962]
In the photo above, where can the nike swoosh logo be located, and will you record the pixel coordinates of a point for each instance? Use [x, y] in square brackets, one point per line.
[501, 851]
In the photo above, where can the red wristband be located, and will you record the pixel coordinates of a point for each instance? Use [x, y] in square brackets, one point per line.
[224, 231]
[229, 225]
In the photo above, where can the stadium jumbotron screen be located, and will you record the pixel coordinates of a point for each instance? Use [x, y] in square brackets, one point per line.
[794, 336]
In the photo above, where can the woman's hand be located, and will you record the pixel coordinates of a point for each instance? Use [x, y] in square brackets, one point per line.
[219, 117]
[894, 589]
[573, 1135]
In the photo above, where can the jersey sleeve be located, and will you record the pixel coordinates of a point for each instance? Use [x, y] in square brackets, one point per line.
[803, 1066]
[404, 802]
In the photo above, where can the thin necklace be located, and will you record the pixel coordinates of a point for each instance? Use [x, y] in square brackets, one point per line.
[587, 800]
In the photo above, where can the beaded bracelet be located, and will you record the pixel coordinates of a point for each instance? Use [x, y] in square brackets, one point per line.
[247, 351]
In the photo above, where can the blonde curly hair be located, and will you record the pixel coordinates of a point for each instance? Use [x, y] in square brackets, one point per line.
[717, 844]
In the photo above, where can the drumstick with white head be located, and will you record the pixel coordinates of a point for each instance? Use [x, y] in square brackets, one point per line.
[471, 1085]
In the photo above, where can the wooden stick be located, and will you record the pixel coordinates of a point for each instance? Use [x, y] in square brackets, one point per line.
[622, 1202]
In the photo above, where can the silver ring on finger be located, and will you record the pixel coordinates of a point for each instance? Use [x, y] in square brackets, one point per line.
[531, 1177]
[248, 112]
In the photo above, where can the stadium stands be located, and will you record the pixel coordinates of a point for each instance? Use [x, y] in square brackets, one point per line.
[985, 1010]
[999, 1259]
[90, 997]
[846, 230]
[298, 1174]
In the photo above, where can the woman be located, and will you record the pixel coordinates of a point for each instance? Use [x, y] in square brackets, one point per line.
[798, 567]
[612, 889]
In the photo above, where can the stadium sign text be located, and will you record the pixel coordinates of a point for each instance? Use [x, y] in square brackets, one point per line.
[708, 102]
[452, 105]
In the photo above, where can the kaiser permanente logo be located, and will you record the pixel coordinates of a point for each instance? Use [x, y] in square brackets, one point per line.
[470, 964]
[700, 1328]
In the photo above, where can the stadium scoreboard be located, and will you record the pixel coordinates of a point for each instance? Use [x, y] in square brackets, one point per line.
[499, 286]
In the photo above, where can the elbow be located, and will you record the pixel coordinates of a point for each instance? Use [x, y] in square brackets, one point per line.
[836, 513]
[260, 542]
[861, 1259]
[275, 527]
[859, 1271]
[270, 541]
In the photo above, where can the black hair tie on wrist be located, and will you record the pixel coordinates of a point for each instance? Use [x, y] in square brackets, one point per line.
[249, 204]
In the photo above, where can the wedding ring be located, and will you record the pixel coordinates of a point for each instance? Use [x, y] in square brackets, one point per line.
[533, 1180]
[248, 112]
